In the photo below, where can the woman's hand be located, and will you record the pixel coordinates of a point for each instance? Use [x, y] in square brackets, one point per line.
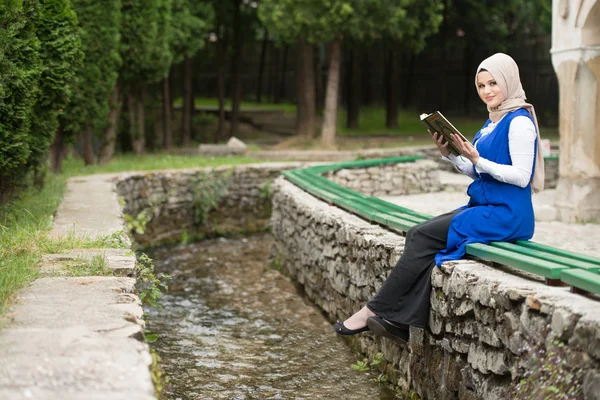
[465, 149]
[439, 139]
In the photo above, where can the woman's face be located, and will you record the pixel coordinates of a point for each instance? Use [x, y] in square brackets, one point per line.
[488, 89]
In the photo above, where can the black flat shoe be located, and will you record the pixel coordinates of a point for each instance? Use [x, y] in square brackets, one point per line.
[380, 326]
[340, 329]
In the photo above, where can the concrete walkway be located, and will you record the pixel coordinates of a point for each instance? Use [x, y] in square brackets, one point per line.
[582, 238]
[78, 338]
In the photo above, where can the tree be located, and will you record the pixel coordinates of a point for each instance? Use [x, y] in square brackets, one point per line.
[421, 21]
[188, 36]
[317, 21]
[88, 108]
[61, 57]
[505, 22]
[145, 49]
[20, 69]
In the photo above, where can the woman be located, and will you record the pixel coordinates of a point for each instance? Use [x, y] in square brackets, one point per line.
[506, 165]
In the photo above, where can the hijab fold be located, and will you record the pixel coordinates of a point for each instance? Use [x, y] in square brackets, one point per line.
[506, 73]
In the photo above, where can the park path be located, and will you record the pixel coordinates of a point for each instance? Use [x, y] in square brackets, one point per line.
[78, 338]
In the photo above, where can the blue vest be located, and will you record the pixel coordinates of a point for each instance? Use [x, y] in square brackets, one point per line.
[496, 211]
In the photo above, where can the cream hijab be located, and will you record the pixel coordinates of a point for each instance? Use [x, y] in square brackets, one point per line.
[506, 73]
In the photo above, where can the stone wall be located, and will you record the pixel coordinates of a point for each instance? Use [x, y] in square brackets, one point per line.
[487, 326]
[170, 204]
[390, 180]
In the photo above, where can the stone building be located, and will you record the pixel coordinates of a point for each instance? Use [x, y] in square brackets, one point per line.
[576, 59]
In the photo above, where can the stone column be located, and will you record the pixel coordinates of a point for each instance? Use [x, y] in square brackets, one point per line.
[576, 59]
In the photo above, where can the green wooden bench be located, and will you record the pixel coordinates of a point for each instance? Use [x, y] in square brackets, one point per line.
[556, 266]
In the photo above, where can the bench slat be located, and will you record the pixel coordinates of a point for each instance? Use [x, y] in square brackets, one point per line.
[582, 279]
[534, 265]
[569, 262]
[559, 252]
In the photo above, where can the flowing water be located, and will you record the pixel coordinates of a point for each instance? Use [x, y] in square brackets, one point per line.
[231, 327]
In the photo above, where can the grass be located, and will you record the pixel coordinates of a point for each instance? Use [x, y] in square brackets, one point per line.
[147, 162]
[372, 122]
[26, 220]
[96, 266]
[23, 226]
[213, 102]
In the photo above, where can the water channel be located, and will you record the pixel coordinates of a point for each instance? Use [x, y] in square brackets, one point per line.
[231, 327]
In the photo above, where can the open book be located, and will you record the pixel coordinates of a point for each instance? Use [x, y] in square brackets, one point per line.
[436, 122]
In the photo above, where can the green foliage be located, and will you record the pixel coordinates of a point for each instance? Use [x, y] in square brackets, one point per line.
[96, 266]
[145, 40]
[503, 21]
[138, 223]
[193, 21]
[185, 237]
[208, 189]
[361, 366]
[159, 378]
[366, 365]
[20, 69]
[150, 285]
[150, 337]
[265, 190]
[99, 24]
[548, 376]
[61, 57]
[320, 21]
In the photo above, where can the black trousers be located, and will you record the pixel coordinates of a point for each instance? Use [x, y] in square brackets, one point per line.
[404, 296]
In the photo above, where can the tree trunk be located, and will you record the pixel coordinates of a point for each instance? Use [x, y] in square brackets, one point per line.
[220, 58]
[107, 148]
[135, 106]
[320, 98]
[305, 117]
[141, 115]
[273, 69]
[261, 67]
[300, 104]
[443, 70]
[373, 91]
[391, 117]
[280, 94]
[166, 117]
[354, 89]
[133, 134]
[187, 104]
[467, 61]
[331, 100]
[58, 151]
[408, 81]
[236, 85]
[86, 145]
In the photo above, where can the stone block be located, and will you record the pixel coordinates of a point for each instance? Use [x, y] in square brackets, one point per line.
[463, 308]
[591, 385]
[563, 323]
[586, 337]
[484, 315]
[488, 336]
[533, 325]
[485, 360]
[516, 343]
[436, 323]
[466, 394]
[460, 345]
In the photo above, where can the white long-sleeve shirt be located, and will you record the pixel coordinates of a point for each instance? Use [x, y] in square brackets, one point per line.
[521, 145]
